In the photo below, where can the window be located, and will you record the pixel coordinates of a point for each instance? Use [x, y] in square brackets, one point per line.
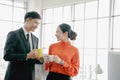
[104, 8]
[7, 9]
[48, 16]
[19, 14]
[117, 7]
[57, 17]
[47, 35]
[91, 6]
[79, 11]
[103, 33]
[20, 4]
[79, 29]
[67, 13]
[116, 26]
[116, 34]
[90, 34]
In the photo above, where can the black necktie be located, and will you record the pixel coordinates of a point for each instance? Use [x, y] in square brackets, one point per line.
[28, 43]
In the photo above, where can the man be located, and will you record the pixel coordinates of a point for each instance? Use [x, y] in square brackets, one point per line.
[19, 50]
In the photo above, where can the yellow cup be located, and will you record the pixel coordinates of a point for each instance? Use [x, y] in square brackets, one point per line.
[39, 51]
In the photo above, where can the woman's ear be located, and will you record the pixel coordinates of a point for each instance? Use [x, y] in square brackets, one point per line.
[66, 33]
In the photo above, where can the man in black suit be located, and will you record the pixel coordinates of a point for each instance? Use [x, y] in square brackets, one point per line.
[19, 50]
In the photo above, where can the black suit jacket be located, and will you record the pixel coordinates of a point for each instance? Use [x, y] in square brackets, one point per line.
[15, 52]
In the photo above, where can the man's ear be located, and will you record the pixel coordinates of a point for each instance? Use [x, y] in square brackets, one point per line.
[28, 20]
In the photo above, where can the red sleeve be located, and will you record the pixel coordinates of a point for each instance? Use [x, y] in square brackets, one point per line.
[73, 68]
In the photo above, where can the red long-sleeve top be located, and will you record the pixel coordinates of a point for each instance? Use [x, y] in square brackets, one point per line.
[69, 54]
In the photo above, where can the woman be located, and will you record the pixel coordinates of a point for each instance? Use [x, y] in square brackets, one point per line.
[63, 58]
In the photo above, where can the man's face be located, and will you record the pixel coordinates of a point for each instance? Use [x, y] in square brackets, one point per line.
[33, 24]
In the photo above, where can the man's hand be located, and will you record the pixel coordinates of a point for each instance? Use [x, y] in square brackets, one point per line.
[32, 55]
[41, 59]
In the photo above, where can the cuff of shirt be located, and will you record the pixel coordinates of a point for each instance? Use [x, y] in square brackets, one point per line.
[65, 64]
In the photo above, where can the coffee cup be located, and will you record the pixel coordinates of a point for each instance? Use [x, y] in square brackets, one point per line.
[39, 52]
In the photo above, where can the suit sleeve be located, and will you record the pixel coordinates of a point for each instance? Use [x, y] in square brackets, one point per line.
[9, 49]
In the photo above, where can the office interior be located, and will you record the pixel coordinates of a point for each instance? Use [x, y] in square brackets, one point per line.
[97, 23]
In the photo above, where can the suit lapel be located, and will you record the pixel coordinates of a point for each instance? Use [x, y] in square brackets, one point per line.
[23, 37]
[33, 39]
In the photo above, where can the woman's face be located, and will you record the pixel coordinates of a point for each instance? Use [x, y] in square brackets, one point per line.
[60, 35]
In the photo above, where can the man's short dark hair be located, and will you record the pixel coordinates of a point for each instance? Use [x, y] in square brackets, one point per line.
[32, 15]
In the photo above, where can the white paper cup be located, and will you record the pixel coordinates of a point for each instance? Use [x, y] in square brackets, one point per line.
[49, 58]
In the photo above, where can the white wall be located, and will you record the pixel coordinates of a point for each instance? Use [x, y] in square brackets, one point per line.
[56, 3]
[43, 4]
[34, 5]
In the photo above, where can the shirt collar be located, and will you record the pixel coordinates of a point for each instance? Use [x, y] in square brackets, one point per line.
[65, 43]
[25, 32]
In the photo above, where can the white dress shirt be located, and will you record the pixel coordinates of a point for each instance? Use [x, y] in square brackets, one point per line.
[30, 38]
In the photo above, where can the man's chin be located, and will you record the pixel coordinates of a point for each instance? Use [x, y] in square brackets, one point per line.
[33, 30]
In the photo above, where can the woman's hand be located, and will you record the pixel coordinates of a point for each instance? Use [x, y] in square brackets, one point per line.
[57, 59]
[54, 58]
